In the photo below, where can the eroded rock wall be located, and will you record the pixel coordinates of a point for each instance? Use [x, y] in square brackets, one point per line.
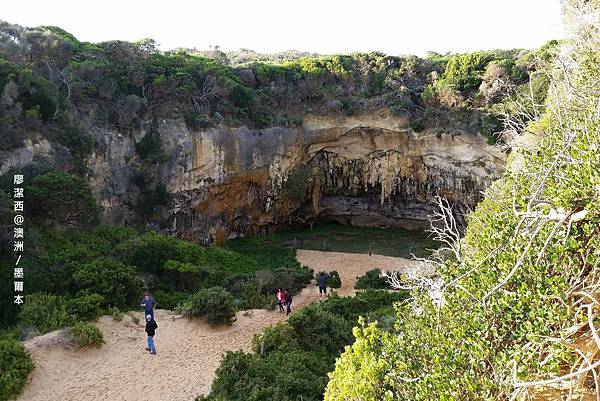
[363, 170]
[369, 170]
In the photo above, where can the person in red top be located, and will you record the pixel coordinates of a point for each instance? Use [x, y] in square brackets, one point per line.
[280, 299]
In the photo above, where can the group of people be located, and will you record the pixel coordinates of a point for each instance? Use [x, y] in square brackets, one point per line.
[284, 300]
[149, 304]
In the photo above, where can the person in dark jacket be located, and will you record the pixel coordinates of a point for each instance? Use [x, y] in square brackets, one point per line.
[149, 304]
[151, 327]
[288, 300]
[322, 279]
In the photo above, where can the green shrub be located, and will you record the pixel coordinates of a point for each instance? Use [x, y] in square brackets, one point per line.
[380, 299]
[151, 251]
[15, 365]
[294, 279]
[266, 255]
[385, 318]
[306, 346]
[215, 304]
[291, 375]
[185, 274]
[169, 299]
[335, 280]
[86, 307]
[238, 283]
[45, 312]
[464, 71]
[297, 183]
[63, 199]
[349, 308]
[417, 124]
[319, 330]
[251, 298]
[116, 313]
[83, 334]
[372, 279]
[150, 148]
[114, 281]
[278, 338]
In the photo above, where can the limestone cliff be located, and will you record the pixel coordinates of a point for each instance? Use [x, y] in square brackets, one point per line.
[365, 169]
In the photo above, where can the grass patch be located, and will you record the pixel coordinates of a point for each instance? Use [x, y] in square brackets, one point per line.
[335, 237]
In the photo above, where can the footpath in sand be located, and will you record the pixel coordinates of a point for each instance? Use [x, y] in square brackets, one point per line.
[189, 351]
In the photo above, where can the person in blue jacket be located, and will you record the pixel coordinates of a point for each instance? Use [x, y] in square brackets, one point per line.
[149, 304]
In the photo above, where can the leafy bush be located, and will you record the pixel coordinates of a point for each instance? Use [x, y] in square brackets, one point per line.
[463, 72]
[150, 251]
[257, 291]
[334, 279]
[372, 279]
[291, 375]
[294, 279]
[303, 348]
[297, 184]
[116, 313]
[63, 199]
[86, 307]
[319, 330]
[45, 312]
[169, 299]
[266, 255]
[349, 308]
[15, 365]
[83, 334]
[377, 299]
[113, 280]
[150, 148]
[215, 304]
[278, 338]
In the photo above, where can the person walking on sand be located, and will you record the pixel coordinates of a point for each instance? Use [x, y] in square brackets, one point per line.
[151, 327]
[280, 296]
[288, 300]
[322, 283]
[149, 304]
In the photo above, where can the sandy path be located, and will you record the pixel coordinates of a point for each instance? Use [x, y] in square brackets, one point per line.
[189, 351]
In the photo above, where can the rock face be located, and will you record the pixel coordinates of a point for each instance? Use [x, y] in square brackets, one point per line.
[365, 170]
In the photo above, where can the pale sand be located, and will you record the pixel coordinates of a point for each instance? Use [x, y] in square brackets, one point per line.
[189, 351]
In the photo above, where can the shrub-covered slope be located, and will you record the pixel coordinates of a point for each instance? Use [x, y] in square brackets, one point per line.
[51, 82]
[521, 305]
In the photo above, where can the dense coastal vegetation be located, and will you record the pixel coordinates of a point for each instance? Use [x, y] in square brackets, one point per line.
[520, 304]
[52, 80]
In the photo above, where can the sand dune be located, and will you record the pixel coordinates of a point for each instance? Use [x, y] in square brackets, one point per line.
[189, 351]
